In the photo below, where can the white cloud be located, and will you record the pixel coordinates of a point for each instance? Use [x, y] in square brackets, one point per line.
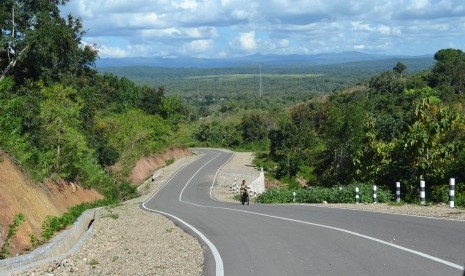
[419, 4]
[239, 14]
[222, 54]
[186, 4]
[283, 42]
[105, 51]
[385, 30]
[198, 46]
[359, 26]
[396, 31]
[175, 27]
[247, 41]
[179, 33]
[225, 3]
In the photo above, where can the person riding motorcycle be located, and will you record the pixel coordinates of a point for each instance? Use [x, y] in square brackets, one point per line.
[243, 192]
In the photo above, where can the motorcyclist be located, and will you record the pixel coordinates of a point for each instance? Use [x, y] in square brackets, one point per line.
[243, 192]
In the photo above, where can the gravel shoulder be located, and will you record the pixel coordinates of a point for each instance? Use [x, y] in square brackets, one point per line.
[129, 241]
[239, 168]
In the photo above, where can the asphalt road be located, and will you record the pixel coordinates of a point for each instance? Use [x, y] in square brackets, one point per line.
[261, 239]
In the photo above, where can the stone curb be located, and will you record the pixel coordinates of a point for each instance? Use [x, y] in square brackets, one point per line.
[61, 246]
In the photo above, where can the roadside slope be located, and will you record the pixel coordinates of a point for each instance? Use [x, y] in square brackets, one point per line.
[36, 201]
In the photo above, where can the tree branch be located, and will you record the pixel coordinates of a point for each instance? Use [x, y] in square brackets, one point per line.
[12, 63]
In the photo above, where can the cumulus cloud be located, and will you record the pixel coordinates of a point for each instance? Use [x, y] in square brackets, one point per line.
[198, 46]
[190, 27]
[185, 4]
[105, 51]
[385, 30]
[247, 41]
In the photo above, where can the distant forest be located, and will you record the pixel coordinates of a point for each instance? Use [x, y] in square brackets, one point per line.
[294, 82]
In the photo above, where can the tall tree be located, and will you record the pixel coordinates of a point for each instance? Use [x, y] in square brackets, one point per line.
[152, 100]
[62, 139]
[399, 68]
[449, 69]
[387, 82]
[427, 148]
[37, 43]
[255, 127]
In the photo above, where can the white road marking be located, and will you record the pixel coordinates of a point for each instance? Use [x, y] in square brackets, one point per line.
[216, 255]
[220, 270]
[219, 267]
[189, 181]
[216, 174]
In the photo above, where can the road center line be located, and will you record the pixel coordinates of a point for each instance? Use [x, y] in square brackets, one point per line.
[418, 253]
[421, 254]
[219, 267]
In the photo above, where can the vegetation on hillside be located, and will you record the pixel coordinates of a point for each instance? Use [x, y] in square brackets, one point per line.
[396, 126]
[60, 118]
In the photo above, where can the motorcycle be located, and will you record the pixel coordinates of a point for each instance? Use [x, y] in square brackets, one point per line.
[245, 197]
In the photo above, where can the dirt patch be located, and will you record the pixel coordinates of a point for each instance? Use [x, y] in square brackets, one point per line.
[146, 166]
[35, 201]
[239, 167]
[53, 198]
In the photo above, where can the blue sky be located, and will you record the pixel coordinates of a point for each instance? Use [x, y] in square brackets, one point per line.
[229, 28]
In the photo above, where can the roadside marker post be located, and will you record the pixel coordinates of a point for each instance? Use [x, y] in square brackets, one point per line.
[451, 192]
[357, 195]
[422, 192]
[234, 186]
[397, 192]
[375, 197]
[293, 196]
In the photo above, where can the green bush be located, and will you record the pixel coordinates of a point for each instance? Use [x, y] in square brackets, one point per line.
[460, 200]
[336, 194]
[12, 230]
[439, 193]
[53, 224]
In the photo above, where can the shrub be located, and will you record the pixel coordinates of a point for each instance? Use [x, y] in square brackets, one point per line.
[460, 200]
[12, 230]
[53, 224]
[336, 194]
[35, 242]
[440, 193]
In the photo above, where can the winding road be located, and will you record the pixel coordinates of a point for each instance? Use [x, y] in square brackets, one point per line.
[293, 239]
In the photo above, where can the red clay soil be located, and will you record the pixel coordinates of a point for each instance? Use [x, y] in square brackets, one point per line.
[37, 200]
[146, 166]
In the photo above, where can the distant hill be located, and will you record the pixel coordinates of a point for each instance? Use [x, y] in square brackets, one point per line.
[251, 60]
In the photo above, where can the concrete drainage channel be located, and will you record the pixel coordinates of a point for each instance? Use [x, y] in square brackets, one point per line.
[61, 246]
